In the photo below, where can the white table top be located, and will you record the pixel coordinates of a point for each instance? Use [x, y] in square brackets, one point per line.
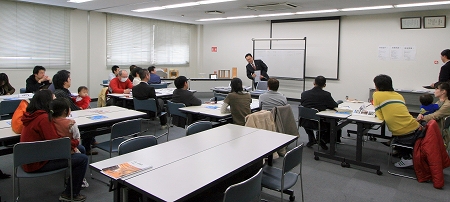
[7, 133]
[95, 111]
[22, 96]
[5, 123]
[214, 109]
[162, 92]
[169, 184]
[163, 154]
[97, 118]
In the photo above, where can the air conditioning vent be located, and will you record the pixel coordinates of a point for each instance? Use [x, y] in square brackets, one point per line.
[272, 7]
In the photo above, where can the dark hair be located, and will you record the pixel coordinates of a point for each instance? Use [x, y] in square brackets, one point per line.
[4, 77]
[132, 67]
[59, 107]
[114, 68]
[446, 53]
[151, 68]
[383, 82]
[37, 69]
[248, 54]
[444, 86]
[426, 99]
[59, 78]
[273, 84]
[236, 85]
[135, 71]
[82, 88]
[143, 73]
[40, 101]
[179, 81]
[320, 81]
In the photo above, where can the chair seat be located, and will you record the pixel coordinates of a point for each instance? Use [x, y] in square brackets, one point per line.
[22, 174]
[115, 145]
[272, 178]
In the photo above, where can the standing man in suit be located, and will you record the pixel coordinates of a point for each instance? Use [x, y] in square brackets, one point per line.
[144, 91]
[254, 65]
[444, 74]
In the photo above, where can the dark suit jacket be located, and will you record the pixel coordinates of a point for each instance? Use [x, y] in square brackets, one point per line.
[260, 65]
[444, 74]
[143, 91]
[318, 99]
[186, 97]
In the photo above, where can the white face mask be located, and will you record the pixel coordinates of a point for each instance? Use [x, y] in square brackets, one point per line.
[123, 79]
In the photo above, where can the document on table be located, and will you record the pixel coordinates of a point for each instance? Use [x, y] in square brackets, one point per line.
[124, 169]
[257, 75]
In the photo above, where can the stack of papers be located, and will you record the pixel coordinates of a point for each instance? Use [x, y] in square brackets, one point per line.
[124, 169]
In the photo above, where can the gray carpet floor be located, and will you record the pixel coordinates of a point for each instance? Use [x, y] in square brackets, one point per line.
[323, 180]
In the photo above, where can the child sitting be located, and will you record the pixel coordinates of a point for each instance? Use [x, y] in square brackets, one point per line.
[82, 100]
[427, 107]
[60, 110]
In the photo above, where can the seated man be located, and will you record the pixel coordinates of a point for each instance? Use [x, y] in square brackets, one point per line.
[143, 91]
[321, 100]
[183, 95]
[121, 84]
[272, 97]
[38, 80]
[390, 107]
[62, 83]
[154, 78]
[115, 71]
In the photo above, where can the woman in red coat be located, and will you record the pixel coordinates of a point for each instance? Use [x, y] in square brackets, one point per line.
[38, 127]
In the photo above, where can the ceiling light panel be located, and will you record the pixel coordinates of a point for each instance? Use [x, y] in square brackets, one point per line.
[367, 8]
[422, 4]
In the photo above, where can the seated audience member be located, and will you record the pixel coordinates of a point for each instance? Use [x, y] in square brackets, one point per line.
[321, 100]
[115, 71]
[5, 86]
[441, 92]
[135, 73]
[38, 127]
[427, 106]
[272, 98]
[183, 95]
[121, 84]
[144, 91]
[239, 102]
[38, 80]
[390, 107]
[154, 78]
[82, 100]
[131, 76]
[16, 120]
[62, 82]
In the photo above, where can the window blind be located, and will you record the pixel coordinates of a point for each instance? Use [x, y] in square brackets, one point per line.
[144, 42]
[32, 34]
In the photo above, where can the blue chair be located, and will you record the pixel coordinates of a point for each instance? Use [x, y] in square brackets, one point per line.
[31, 152]
[137, 143]
[23, 90]
[198, 127]
[118, 132]
[149, 105]
[282, 179]
[173, 109]
[158, 86]
[8, 107]
[248, 190]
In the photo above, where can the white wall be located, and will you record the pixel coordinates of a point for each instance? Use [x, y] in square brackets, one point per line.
[359, 64]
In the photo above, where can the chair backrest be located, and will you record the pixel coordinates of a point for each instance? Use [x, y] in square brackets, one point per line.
[9, 106]
[23, 90]
[159, 85]
[292, 158]
[262, 85]
[126, 128]
[32, 152]
[173, 109]
[308, 113]
[145, 105]
[220, 96]
[198, 127]
[447, 122]
[244, 191]
[137, 143]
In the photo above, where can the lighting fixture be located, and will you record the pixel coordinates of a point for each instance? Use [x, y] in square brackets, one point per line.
[422, 4]
[318, 11]
[210, 19]
[78, 1]
[275, 14]
[367, 8]
[181, 5]
[241, 17]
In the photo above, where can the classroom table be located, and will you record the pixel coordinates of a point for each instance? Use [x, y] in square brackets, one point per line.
[199, 162]
[107, 84]
[22, 96]
[212, 110]
[339, 120]
[163, 93]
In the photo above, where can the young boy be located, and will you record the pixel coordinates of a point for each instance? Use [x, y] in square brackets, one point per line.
[82, 100]
[427, 106]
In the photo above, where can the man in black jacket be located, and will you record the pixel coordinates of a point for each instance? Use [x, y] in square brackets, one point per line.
[38, 80]
[143, 91]
[321, 100]
[255, 65]
[444, 73]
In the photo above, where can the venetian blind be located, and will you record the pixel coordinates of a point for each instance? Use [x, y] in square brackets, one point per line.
[144, 42]
[32, 34]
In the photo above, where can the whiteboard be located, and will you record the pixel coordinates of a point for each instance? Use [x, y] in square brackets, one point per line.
[322, 43]
[282, 63]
